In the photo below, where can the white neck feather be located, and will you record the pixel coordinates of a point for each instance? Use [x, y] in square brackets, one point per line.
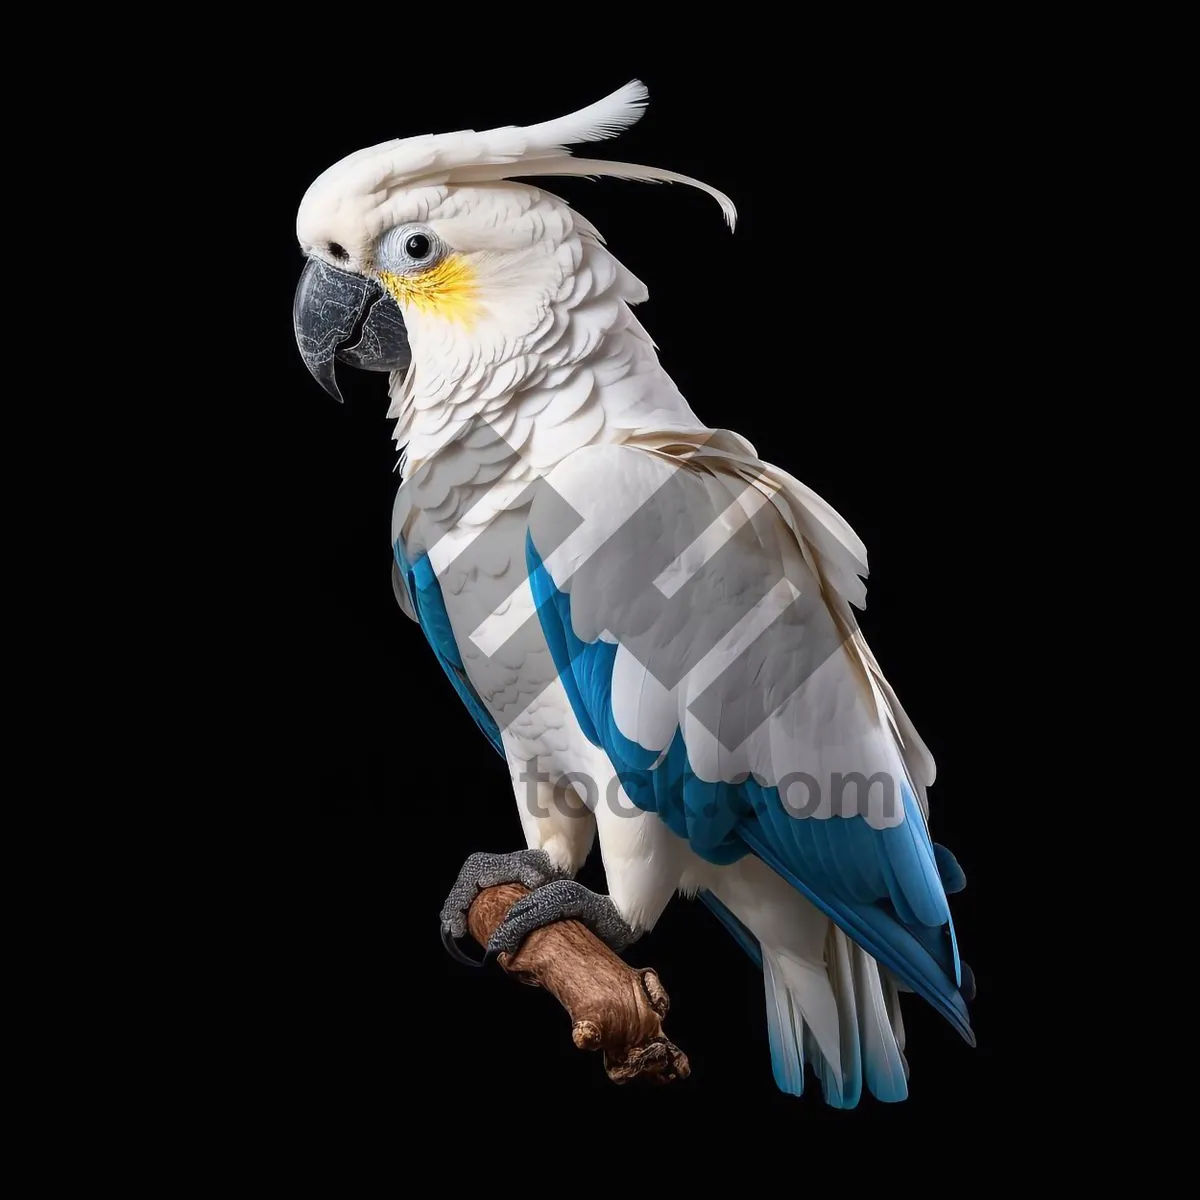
[587, 374]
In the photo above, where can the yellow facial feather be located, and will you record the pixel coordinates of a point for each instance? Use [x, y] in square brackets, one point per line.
[448, 290]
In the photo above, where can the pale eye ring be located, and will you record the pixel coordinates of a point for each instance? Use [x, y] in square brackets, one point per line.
[409, 248]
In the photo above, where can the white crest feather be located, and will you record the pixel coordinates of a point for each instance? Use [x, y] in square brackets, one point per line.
[604, 119]
[591, 168]
[365, 192]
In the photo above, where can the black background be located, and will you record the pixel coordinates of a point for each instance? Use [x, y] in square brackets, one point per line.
[858, 328]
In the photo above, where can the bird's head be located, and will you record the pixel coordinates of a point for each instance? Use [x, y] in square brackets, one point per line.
[425, 246]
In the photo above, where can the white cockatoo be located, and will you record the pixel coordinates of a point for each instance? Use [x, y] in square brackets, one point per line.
[651, 624]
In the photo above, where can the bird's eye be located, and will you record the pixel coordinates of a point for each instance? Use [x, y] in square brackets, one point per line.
[417, 245]
[338, 251]
[409, 248]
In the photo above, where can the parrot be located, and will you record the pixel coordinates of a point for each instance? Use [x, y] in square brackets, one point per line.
[651, 625]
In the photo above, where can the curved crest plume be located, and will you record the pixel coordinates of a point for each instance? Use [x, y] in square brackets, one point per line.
[379, 175]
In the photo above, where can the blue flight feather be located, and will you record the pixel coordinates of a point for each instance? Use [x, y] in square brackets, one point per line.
[741, 934]
[954, 879]
[882, 886]
[425, 593]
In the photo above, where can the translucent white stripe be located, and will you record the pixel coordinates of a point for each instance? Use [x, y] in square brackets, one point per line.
[712, 539]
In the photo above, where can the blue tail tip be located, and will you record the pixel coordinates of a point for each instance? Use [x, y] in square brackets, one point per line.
[967, 987]
[953, 877]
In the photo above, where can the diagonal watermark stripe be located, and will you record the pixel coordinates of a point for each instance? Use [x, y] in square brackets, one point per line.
[681, 581]
[694, 557]
[731, 648]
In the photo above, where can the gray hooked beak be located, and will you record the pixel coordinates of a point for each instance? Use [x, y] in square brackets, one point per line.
[344, 316]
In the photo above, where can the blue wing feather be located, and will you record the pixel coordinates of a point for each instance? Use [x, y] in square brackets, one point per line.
[741, 934]
[954, 879]
[425, 593]
[883, 886]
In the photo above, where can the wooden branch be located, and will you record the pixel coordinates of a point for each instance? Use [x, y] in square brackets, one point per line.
[613, 1007]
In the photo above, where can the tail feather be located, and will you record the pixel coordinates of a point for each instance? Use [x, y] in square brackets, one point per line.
[841, 1020]
[842, 977]
[833, 1008]
[891, 992]
[887, 1073]
[785, 1031]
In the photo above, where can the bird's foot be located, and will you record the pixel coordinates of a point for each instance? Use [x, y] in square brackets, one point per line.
[532, 868]
[560, 900]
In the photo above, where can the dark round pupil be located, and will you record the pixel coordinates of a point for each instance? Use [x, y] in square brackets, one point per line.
[337, 250]
[417, 246]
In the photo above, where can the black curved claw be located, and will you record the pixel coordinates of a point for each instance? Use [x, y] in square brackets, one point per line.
[456, 952]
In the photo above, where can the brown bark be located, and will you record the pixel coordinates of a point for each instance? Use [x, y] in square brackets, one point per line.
[613, 1007]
